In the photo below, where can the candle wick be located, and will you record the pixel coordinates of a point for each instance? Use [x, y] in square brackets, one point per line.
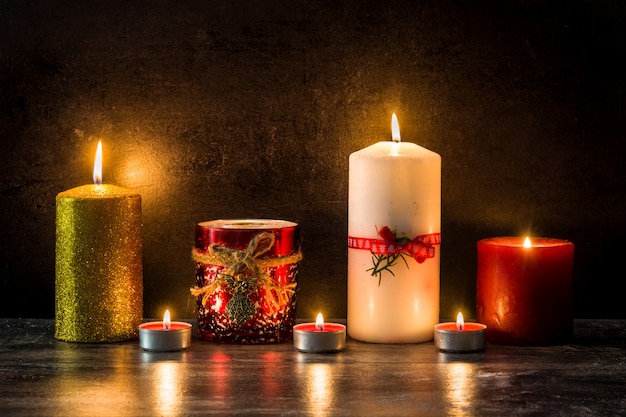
[460, 327]
[319, 327]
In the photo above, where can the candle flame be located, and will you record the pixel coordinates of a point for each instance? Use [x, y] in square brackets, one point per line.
[167, 322]
[395, 128]
[97, 166]
[527, 242]
[460, 322]
[319, 322]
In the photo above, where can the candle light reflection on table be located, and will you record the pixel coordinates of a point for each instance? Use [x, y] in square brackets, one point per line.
[76, 390]
[459, 387]
[320, 389]
[167, 393]
[272, 387]
[219, 384]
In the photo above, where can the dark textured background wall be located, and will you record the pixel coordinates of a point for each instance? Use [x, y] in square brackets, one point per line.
[215, 109]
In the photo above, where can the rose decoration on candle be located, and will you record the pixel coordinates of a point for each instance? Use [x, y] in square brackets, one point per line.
[387, 251]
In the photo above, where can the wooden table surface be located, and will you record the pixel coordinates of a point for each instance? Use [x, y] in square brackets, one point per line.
[40, 376]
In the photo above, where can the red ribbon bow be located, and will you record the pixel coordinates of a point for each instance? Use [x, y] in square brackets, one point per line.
[420, 248]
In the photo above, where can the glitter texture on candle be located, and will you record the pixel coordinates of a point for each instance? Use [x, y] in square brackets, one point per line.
[99, 284]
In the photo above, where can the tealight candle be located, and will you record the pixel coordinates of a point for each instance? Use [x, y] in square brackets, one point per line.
[319, 337]
[460, 336]
[165, 336]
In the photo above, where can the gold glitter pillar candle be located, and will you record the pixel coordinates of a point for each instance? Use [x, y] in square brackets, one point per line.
[99, 277]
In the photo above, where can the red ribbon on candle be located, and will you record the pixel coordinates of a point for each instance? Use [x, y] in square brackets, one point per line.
[420, 248]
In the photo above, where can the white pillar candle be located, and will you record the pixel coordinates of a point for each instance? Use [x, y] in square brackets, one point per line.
[394, 185]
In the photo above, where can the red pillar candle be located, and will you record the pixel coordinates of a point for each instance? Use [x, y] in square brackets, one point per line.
[246, 278]
[524, 292]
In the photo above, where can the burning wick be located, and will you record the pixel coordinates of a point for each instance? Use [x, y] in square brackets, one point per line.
[319, 322]
[167, 321]
[395, 128]
[459, 322]
[97, 165]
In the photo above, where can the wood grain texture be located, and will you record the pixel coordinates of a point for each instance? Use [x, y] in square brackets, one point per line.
[40, 376]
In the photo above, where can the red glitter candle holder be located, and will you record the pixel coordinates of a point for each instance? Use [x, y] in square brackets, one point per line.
[268, 300]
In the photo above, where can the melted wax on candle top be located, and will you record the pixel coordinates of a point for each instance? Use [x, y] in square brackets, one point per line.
[517, 241]
[158, 326]
[312, 327]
